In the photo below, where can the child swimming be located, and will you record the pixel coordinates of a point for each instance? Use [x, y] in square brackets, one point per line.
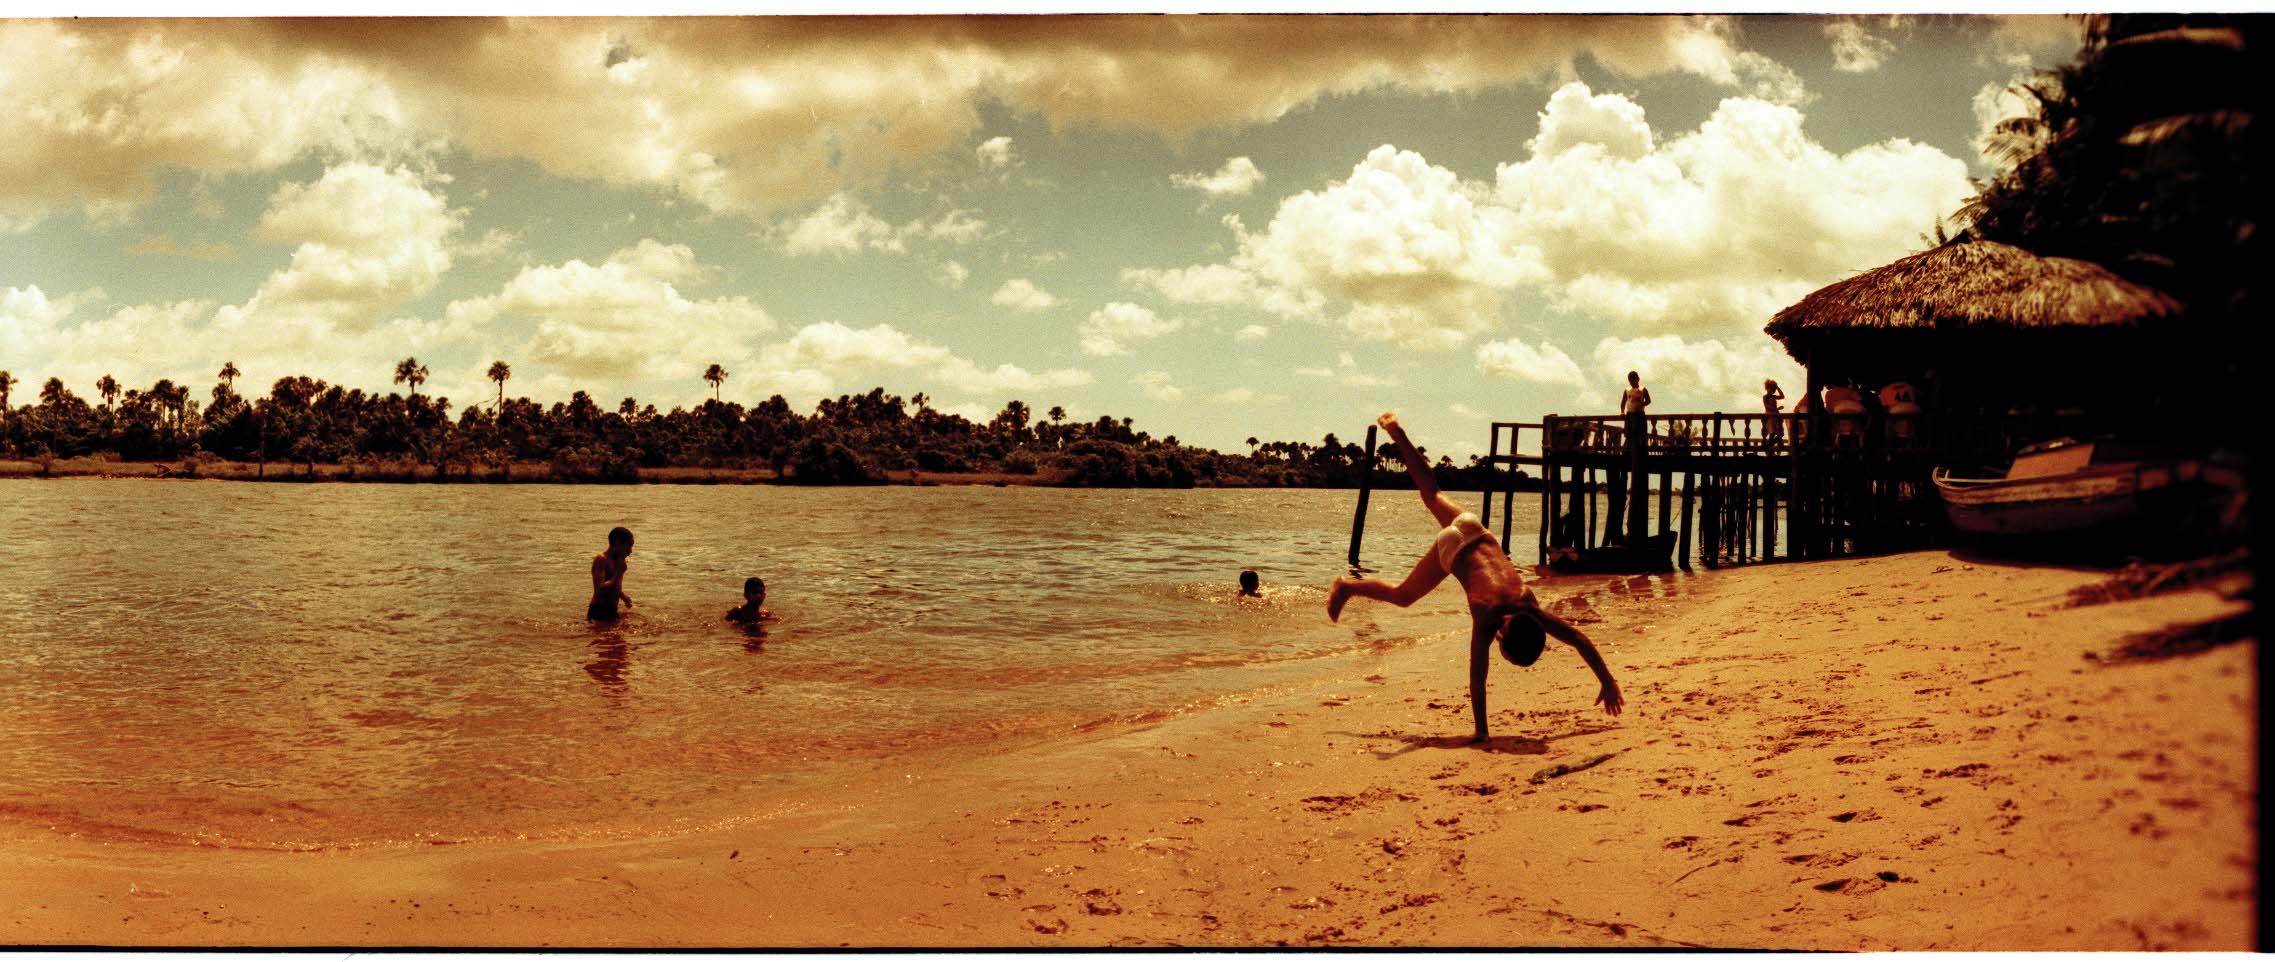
[752, 611]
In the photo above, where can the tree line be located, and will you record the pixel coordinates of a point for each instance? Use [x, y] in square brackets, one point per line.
[851, 439]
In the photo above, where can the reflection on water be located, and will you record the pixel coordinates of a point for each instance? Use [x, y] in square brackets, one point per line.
[288, 665]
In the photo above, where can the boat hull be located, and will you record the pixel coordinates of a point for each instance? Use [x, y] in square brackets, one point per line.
[2094, 498]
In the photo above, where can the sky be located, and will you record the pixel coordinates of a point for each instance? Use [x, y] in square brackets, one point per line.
[1223, 227]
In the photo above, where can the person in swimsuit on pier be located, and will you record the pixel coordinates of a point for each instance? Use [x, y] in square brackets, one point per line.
[1501, 608]
[608, 569]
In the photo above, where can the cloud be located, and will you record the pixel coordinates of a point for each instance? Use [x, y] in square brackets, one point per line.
[1575, 118]
[624, 318]
[1518, 361]
[98, 110]
[1021, 294]
[1995, 104]
[748, 115]
[1238, 176]
[1464, 410]
[1251, 332]
[951, 274]
[2028, 41]
[841, 225]
[995, 153]
[1156, 386]
[844, 225]
[1704, 374]
[1346, 372]
[1721, 226]
[493, 243]
[1121, 321]
[1855, 49]
[163, 245]
[1418, 257]
[367, 239]
[1245, 395]
[812, 361]
[1709, 230]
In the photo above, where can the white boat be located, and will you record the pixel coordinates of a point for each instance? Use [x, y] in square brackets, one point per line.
[2071, 486]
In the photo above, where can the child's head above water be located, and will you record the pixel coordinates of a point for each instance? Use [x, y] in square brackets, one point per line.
[1249, 583]
[620, 541]
[754, 590]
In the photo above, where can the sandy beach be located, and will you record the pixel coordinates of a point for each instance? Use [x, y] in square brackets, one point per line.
[1913, 752]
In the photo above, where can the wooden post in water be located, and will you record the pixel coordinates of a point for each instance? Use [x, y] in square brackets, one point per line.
[1639, 487]
[1493, 451]
[1366, 481]
[1547, 485]
[1682, 541]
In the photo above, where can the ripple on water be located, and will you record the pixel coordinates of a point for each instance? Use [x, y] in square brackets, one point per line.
[329, 665]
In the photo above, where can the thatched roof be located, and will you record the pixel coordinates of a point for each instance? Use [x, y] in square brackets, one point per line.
[1975, 285]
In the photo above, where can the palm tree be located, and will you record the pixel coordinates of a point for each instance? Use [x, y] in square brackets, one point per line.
[1252, 442]
[7, 384]
[716, 375]
[229, 374]
[499, 372]
[108, 388]
[410, 370]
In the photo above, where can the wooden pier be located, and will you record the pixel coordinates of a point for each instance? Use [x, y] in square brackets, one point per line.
[1752, 488]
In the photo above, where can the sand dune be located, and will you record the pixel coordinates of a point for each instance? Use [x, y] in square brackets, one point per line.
[1910, 752]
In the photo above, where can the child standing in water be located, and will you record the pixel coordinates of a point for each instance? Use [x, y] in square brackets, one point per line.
[608, 569]
[753, 611]
[1250, 585]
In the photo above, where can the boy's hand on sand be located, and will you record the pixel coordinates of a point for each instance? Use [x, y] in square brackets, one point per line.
[1609, 698]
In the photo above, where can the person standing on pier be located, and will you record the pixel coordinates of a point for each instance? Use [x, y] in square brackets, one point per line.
[1771, 394]
[1501, 608]
[1632, 402]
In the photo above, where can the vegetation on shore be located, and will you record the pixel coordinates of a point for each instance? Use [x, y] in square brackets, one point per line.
[306, 428]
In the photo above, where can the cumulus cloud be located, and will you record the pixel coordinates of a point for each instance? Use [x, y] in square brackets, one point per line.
[1021, 294]
[1157, 386]
[368, 238]
[1109, 326]
[844, 225]
[1708, 230]
[1238, 176]
[623, 318]
[1251, 332]
[1418, 257]
[951, 274]
[813, 360]
[747, 115]
[1855, 49]
[1723, 225]
[1518, 361]
[1575, 118]
[995, 153]
[841, 225]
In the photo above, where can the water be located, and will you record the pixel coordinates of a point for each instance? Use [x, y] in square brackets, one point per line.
[332, 665]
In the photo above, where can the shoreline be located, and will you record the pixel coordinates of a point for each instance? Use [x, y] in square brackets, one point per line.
[1902, 752]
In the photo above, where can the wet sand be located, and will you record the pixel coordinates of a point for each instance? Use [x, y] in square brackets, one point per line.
[1912, 752]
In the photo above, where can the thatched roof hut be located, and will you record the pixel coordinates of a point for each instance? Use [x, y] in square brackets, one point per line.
[1976, 284]
[1994, 326]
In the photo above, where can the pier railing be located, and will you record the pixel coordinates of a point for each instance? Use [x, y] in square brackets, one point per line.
[1752, 487]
